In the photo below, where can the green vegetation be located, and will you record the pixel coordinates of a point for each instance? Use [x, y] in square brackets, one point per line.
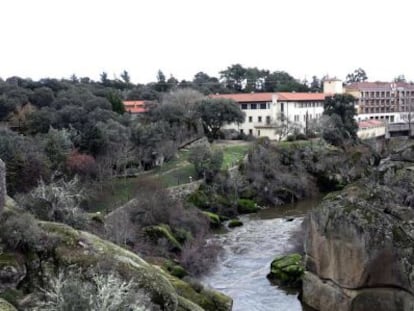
[235, 223]
[287, 270]
[233, 154]
[246, 206]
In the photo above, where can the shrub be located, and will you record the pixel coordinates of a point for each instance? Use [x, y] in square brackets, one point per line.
[245, 206]
[57, 201]
[21, 232]
[207, 162]
[70, 291]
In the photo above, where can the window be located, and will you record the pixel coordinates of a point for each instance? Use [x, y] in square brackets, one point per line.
[281, 107]
[267, 119]
[250, 119]
[259, 119]
[250, 132]
[263, 106]
[241, 131]
[244, 106]
[296, 118]
[253, 106]
[258, 132]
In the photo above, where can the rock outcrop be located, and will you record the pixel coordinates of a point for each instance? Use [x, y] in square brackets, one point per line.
[2, 185]
[360, 243]
[26, 271]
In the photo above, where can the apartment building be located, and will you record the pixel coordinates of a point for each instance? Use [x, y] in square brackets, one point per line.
[392, 102]
[264, 111]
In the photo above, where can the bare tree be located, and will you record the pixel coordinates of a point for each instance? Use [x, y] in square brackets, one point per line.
[284, 126]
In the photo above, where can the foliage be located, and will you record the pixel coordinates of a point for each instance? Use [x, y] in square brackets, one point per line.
[70, 291]
[216, 112]
[359, 75]
[207, 162]
[81, 164]
[342, 125]
[57, 201]
[25, 161]
[21, 232]
[116, 102]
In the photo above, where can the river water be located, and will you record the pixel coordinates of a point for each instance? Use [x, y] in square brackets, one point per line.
[248, 251]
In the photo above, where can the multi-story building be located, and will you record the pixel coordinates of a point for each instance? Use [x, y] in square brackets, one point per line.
[388, 101]
[265, 111]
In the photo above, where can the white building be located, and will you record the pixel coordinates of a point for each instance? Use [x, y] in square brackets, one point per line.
[264, 111]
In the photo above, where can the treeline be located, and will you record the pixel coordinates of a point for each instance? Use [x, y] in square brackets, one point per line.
[79, 127]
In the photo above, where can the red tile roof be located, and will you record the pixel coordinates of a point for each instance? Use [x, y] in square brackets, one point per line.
[135, 106]
[247, 97]
[267, 97]
[285, 96]
[370, 123]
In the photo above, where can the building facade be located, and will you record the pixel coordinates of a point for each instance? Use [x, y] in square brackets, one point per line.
[265, 112]
[387, 101]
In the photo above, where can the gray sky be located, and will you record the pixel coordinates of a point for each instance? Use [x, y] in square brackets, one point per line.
[56, 38]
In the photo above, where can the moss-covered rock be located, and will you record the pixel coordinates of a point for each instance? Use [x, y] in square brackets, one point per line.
[83, 251]
[287, 270]
[174, 269]
[5, 306]
[12, 270]
[214, 219]
[208, 299]
[246, 206]
[359, 243]
[163, 232]
[235, 223]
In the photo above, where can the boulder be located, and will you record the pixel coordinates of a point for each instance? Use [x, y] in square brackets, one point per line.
[235, 223]
[359, 245]
[287, 270]
[75, 250]
[12, 270]
[5, 306]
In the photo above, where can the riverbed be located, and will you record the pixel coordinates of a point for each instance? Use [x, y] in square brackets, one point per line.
[248, 251]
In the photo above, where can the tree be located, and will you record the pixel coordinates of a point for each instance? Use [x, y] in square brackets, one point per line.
[125, 77]
[207, 162]
[161, 85]
[400, 78]
[281, 81]
[341, 110]
[284, 126]
[104, 79]
[315, 85]
[215, 112]
[116, 103]
[234, 76]
[359, 75]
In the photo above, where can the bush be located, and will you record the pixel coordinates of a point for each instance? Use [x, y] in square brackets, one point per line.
[21, 232]
[57, 201]
[71, 291]
[207, 162]
[245, 206]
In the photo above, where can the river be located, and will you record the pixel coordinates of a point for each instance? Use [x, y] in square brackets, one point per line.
[248, 251]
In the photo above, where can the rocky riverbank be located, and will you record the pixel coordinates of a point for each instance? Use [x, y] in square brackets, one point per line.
[360, 242]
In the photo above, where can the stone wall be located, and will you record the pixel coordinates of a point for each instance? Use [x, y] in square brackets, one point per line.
[2, 185]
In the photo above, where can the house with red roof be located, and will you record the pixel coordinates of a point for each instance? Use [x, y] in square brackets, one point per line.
[265, 111]
[371, 129]
[135, 106]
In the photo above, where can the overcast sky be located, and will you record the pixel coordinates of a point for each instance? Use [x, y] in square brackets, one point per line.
[58, 38]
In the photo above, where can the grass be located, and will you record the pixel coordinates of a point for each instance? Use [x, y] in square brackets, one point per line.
[172, 173]
[233, 154]
[114, 194]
